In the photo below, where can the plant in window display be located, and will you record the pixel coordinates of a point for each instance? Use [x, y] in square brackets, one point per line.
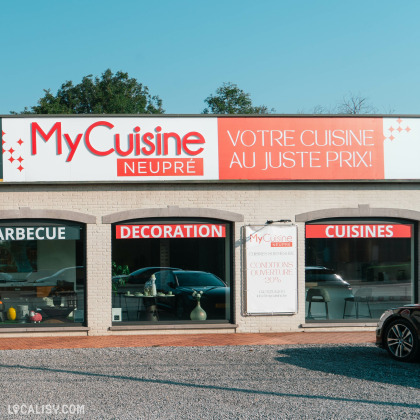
[119, 275]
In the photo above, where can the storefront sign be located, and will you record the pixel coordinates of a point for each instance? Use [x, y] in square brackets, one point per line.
[39, 233]
[358, 231]
[170, 231]
[109, 149]
[162, 148]
[271, 269]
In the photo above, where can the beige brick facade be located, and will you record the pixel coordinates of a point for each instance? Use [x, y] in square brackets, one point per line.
[256, 202]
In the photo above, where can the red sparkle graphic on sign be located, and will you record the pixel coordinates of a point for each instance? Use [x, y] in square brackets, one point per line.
[10, 151]
[392, 133]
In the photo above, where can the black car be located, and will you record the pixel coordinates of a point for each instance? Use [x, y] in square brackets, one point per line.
[398, 332]
[142, 275]
[135, 281]
[183, 283]
[324, 276]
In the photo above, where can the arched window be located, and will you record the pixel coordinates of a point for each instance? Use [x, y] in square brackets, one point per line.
[42, 272]
[172, 270]
[358, 267]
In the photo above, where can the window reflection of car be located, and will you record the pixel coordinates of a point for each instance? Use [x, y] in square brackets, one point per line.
[5, 277]
[140, 276]
[14, 279]
[333, 286]
[324, 276]
[182, 284]
[69, 276]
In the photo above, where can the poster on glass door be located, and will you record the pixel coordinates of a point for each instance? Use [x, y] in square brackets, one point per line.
[271, 269]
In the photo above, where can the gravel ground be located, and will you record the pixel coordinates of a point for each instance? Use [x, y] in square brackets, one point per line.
[235, 382]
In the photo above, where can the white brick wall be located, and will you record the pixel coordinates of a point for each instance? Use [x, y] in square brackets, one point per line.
[258, 202]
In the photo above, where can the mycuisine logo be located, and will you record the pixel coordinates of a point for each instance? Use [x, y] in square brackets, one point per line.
[358, 231]
[156, 148]
[275, 241]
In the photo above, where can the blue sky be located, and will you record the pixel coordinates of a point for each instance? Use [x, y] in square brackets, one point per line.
[289, 55]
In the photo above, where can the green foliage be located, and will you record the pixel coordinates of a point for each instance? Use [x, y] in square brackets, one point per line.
[229, 99]
[118, 270]
[110, 94]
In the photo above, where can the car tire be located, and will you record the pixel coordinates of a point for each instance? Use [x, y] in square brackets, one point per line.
[401, 340]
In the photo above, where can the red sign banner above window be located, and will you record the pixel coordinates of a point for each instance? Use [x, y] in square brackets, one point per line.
[170, 231]
[301, 148]
[358, 231]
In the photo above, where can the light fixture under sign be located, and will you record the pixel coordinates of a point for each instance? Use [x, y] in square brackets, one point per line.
[269, 222]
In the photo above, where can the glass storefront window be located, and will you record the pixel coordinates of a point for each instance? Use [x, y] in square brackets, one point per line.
[171, 270]
[42, 274]
[357, 269]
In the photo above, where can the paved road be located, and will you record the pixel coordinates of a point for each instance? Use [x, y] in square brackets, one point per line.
[355, 381]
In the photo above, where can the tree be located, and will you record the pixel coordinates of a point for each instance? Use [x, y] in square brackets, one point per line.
[355, 104]
[350, 104]
[110, 94]
[229, 99]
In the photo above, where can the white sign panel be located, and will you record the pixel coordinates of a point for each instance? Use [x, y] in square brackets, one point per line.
[401, 148]
[271, 269]
[109, 149]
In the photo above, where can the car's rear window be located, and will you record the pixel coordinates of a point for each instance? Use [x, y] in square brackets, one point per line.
[321, 275]
[198, 279]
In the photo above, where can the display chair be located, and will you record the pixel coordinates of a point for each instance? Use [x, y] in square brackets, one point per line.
[317, 296]
[363, 295]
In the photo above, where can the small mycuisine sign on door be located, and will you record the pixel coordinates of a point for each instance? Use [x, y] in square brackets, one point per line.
[271, 269]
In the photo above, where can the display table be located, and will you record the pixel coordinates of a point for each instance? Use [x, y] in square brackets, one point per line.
[131, 296]
[151, 303]
[148, 304]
